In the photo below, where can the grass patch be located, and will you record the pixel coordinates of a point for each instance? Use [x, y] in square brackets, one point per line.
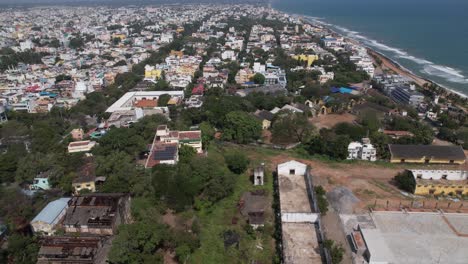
[217, 219]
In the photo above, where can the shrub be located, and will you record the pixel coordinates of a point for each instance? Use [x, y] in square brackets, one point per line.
[406, 181]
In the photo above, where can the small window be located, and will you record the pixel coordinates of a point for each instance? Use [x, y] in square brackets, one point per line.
[88, 185]
[452, 161]
[402, 160]
[292, 172]
[419, 176]
[444, 176]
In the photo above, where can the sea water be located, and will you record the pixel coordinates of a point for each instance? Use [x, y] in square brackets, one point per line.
[428, 37]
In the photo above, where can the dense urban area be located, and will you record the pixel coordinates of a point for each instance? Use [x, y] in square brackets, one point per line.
[220, 134]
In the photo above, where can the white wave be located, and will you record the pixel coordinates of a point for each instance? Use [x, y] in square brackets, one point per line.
[430, 68]
[448, 73]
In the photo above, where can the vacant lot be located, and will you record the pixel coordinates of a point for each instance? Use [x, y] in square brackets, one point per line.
[329, 121]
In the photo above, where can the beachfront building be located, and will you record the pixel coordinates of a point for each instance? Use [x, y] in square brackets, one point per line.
[407, 95]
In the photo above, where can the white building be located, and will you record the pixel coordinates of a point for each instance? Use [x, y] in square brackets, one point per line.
[292, 167]
[50, 216]
[81, 146]
[362, 151]
[451, 175]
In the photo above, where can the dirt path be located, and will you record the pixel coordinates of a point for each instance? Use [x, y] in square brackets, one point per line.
[334, 230]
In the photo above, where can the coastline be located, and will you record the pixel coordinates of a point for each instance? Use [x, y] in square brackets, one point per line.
[386, 61]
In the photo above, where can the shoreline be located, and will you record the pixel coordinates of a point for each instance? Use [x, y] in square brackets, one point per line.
[386, 60]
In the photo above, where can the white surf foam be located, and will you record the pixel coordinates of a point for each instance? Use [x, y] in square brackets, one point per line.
[445, 72]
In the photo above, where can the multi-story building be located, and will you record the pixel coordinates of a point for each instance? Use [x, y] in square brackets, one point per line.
[407, 95]
[362, 151]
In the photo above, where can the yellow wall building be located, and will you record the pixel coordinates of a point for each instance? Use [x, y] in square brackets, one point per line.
[310, 58]
[152, 73]
[441, 187]
[85, 184]
[427, 154]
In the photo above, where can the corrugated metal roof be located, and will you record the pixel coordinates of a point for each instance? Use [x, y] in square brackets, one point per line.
[51, 211]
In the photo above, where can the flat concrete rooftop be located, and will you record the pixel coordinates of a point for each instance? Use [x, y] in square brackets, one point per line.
[418, 237]
[300, 245]
[293, 194]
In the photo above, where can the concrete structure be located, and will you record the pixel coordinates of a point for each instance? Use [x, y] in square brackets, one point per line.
[407, 95]
[412, 237]
[46, 221]
[81, 146]
[362, 151]
[438, 182]
[427, 154]
[68, 249]
[128, 100]
[298, 216]
[97, 214]
[259, 175]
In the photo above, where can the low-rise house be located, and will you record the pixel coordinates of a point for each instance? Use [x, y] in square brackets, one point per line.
[427, 154]
[46, 221]
[77, 134]
[440, 181]
[41, 182]
[265, 117]
[81, 146]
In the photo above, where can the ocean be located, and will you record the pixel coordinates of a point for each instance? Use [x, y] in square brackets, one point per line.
[428, 37]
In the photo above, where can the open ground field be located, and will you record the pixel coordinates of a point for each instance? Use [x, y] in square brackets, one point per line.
[329, 121]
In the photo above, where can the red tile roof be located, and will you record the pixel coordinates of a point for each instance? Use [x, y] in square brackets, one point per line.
[145, 103]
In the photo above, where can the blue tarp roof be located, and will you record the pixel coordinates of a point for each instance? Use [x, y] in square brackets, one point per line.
[343, 90]
[51, 211]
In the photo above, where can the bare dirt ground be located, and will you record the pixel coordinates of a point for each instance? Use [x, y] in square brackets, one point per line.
[329, 121]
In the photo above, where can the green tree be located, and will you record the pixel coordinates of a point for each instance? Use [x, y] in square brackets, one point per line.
[22, 249]
[208, 133]
[138, 243]
[237, 161]
[186, 153]
[291, 127]
[336, 251]
[258, 78]
[241, 127]
[163, 99]
[405, 181]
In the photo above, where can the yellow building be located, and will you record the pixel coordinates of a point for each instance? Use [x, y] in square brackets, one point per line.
[84, 183]
[441, 187]
[427, 154]
[177, 53]
[120, 36]
[310, 58]
[152, 73]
